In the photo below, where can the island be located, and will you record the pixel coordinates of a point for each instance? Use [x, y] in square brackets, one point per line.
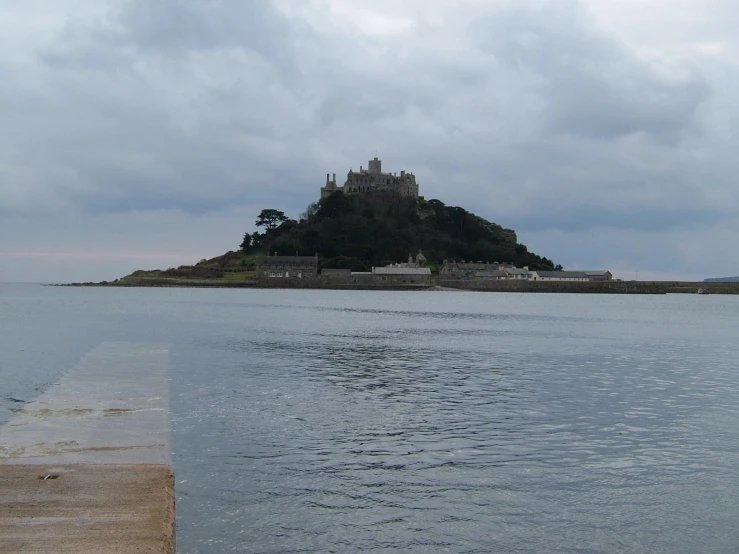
[377, 232]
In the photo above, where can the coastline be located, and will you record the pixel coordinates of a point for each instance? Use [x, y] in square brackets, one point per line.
[593, 287]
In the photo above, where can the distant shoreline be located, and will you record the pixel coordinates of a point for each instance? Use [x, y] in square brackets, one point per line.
[598, 287]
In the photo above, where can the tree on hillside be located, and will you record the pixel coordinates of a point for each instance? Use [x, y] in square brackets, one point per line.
[246, 243]
[257, 240]
[310, 211]
[270, 218]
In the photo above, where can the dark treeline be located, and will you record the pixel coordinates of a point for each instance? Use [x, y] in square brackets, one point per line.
[358, 231]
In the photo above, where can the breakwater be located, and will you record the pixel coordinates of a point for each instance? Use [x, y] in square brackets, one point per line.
[592, 287]
[509, 285]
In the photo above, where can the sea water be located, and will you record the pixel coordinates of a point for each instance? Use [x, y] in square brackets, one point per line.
[325, 421]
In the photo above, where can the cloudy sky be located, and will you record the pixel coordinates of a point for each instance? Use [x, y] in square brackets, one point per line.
[150, 133]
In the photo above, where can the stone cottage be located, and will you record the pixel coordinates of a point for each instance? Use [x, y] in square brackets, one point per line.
[278, 269]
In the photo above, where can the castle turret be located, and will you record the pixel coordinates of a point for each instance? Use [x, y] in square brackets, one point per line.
[375, 166]
[330, 183]
[330, 187]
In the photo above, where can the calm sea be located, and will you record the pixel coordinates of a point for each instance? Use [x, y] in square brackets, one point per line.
[321, 421]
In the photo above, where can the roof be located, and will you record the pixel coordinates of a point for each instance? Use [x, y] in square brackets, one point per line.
[563, 274]
[264, 260]
[472, 265]
[366, 173]
[517, 271]
[490, 273]
[402, 270]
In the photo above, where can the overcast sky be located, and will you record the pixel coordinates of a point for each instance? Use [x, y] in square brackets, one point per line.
[150, 133]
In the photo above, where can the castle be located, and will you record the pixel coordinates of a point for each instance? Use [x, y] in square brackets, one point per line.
[373, 179]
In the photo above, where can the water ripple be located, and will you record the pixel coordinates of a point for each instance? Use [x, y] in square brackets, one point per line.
[413, 430]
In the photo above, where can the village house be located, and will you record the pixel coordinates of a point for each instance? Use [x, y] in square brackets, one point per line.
[520, 273]
[412, 272]
[286, 268]
[294, 270]
[469, 271]
[393, 275]
[598, 274]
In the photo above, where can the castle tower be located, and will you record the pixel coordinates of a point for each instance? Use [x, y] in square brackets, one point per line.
[330, 187]
[330, 183]
[375, 166]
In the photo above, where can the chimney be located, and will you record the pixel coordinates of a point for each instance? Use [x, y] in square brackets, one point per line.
[334, 177]
[327, 178]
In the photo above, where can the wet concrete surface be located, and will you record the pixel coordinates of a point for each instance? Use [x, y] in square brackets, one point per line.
[106, 508]
[85, 466]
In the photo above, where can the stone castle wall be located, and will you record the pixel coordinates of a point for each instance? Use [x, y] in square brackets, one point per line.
[373, 179]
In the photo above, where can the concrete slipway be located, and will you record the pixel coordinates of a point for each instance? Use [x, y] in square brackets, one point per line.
[86, 466]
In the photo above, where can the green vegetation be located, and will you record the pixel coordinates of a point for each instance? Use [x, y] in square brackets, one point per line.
[358, 231]
[270, 218]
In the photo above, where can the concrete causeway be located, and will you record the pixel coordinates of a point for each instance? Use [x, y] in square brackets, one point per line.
[77, 508]
[85, 466]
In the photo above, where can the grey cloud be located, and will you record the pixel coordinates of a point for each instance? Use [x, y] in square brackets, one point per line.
[524, 112]
[413, 104]
[177, 26]
[595, 86]
[604, 106]
[148, 126]
[174, 28]
[579, 219]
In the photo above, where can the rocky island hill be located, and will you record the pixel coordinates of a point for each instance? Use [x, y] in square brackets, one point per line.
[361, 231]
